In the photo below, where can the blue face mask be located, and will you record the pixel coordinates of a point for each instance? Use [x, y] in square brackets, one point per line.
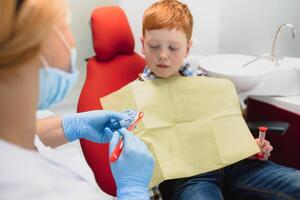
[55, 84]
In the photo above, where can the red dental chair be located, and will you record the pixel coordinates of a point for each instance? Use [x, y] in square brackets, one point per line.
[114, 66]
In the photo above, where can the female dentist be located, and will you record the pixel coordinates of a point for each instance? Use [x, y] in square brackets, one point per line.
[37, 69]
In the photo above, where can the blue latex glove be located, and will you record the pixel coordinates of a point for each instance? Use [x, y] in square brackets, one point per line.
[134, 168]
[90, 125]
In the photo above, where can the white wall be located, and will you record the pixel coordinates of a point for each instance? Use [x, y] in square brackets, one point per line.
[249, 26]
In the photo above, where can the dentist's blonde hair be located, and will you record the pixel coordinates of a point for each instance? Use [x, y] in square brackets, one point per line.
[24, 26]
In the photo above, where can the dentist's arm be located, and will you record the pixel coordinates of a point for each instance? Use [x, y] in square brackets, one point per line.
[134, 168]
[55, 131]
[50, 131]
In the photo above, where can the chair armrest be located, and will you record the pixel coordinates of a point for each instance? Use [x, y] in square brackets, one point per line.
[274, 127]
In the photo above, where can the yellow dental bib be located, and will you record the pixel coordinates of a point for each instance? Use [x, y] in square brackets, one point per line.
[191, 125]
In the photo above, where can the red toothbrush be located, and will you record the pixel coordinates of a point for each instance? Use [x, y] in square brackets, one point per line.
[118, 149]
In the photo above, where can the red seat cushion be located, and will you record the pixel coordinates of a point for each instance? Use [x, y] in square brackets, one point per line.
[114, 66]
[111, 33]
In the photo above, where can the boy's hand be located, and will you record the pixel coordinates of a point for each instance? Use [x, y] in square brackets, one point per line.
[265, 150]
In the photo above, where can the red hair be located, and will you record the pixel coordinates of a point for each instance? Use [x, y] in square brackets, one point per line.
[168, 14]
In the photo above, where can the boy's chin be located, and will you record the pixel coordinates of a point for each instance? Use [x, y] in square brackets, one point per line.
[166, 75]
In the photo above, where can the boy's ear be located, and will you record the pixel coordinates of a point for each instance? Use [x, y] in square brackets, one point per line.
[189, 46]
[143, 46]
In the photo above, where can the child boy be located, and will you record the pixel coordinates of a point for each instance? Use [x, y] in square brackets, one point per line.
[167, 31]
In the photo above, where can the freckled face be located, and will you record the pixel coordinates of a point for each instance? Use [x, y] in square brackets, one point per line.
[165, 51]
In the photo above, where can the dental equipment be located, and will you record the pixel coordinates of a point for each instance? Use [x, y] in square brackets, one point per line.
[118, 149]
[273, 55]
[261, 139]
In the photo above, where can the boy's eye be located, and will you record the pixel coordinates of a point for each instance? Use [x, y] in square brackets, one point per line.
[153, 47]
[173, 48]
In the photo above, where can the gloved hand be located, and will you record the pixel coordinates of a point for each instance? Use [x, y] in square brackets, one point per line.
[134, 168]
[90, 125]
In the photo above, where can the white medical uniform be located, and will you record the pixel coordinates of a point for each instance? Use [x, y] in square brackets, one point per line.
[43, 175]
[26, 174]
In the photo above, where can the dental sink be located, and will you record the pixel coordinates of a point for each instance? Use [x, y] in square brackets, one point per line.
[290, 61]
[258, 77]
[230, 66]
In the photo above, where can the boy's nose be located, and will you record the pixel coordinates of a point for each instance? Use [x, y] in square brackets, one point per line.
[163, 54]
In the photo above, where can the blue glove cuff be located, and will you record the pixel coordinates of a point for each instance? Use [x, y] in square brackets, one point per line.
[68, 124]
[136, 193]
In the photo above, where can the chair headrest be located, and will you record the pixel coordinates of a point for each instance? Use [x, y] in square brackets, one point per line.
[111, 33]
